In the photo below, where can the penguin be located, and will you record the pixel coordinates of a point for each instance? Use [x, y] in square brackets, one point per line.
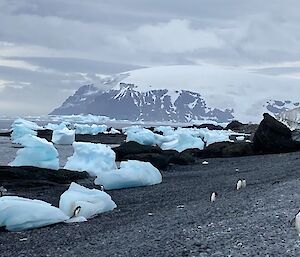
[297, 223]
[244, 183]
[205, 162]
[213, 197]
[237, 169]
[239, 185]
[101, 188]
[76, 211]
[296, 219]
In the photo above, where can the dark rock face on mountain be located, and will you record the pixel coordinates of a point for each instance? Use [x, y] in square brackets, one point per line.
[273, 136]
[129, 104]
[276, 106]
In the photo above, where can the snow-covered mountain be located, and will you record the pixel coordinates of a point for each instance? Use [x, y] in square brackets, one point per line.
[154, 105]
[183, 93]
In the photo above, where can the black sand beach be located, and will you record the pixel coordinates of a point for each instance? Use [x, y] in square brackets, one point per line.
[176, 218]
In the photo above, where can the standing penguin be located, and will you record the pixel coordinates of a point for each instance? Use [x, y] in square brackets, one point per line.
[244, 183]
[213, 197]
[297, 223]
[239, 185]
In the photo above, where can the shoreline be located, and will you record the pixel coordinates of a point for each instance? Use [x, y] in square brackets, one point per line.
[254, 221]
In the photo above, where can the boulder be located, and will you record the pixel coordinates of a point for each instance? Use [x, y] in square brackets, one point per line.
[101, 138]
[45, 133]
[227, 149]
[206, 125]
[5, 134]
[153, 154]
[273, 136]
[158, 160]
[28, 176]
[239, 127]
[133, 148]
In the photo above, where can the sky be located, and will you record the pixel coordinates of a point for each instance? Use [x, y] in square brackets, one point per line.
[48, 49]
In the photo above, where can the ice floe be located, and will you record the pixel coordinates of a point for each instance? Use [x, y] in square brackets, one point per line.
[17, 213]
[63, 136]
[92, 158]
[130, 174]
[21, 127]
[37, 152]
[90, 130]
[91, 201]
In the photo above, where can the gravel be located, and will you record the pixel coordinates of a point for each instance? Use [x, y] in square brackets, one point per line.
[176, 218]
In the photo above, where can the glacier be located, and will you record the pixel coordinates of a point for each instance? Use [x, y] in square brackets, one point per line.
[91, 201]
[18, 214]
[131, 173]
[37, 152]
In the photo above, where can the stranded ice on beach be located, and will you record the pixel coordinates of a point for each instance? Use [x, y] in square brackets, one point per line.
[37, 152]
[17, 213]
[91, 201]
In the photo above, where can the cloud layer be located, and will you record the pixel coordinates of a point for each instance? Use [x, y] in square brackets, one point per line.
[50, 48]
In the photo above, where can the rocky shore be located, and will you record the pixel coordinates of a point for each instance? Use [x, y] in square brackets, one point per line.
[176, 217]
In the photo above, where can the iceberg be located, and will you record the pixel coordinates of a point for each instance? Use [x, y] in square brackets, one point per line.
[182, 142]
[166, 130]
[17, 213]
[142, 136]
[21, 127]
[112, 131]
[91, 201]
[179, 139]
[63, 137]
[131, 174]
[53, 127]
[92, 158]
[37, 152]
[90, 130]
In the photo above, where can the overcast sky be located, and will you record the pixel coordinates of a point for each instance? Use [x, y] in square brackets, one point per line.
[48, 48]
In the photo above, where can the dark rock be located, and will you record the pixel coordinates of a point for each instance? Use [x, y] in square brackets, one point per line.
[45, 133]
[273, 136]
[227, 149]
[102, 138]
[153, 154]
[234, 125]
[158, 160]
[208, 126]
[239, 127]
[131, 148]
[183, 158]
[296, 135]
[5, 134]
[28, 176]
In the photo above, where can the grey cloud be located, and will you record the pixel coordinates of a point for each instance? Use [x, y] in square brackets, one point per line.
[64, 38]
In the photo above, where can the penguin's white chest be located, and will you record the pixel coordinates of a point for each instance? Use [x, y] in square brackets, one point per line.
[297, 223]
